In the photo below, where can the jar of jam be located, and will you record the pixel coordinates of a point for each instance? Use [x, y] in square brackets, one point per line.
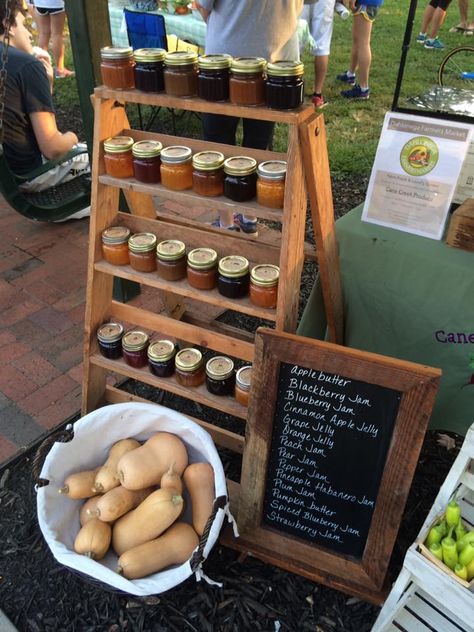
[171, 260]
[208, 173]
[213, 77]
[189, 367]
[118, 159]
[116, 66]
[284, 89]
[264, 285]
[181, 74]
[142, 247]
[134, 348]
[146, 160]
[161, 355]
[202, 268]
[240, 180]
[176, 168]
[271, 183]
[220, 376]
[234, 278]
[242, 384]
[109, 337]
[149, 69]
[115, 245]
[247, 81]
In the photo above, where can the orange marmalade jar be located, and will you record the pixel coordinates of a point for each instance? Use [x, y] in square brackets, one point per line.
[116, 66]
[264, 285]
[176, 167]
[115, 245]
[118, 159]
[271, 183]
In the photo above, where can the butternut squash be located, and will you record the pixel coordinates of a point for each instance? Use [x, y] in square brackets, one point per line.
[171, 479]
[107, 478]
[155, 514]
[146, 465]
[88, 509]
[175, 546]
[93, 539]
[199, 481]
[79, 485]
[118, 501]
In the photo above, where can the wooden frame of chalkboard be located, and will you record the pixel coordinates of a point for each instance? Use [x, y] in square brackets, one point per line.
[333, 437]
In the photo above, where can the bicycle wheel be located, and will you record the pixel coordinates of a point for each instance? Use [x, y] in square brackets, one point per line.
[457, 68]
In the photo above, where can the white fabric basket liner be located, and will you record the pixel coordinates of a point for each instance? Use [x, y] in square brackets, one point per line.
[94, 434]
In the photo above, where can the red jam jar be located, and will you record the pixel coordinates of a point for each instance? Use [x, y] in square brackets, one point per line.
[213, 78]
[271, 183]
[189, 367]
[247, 81]
[146, 160]
[118, 159]
[115, 245]
[208, 173]
[234, 278]
[176, 167]
[240, 180]
[171, 260]
[116, 66]
[181, 74]
[161, 355]
[264, 285]
[242, 384]
[149, 69]
[109, 337]
[142, 252]
[134, 348]
[202, 268]
[220, 376]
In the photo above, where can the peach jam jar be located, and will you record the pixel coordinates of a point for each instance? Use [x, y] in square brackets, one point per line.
[176, 168]
[142, 252]
[109, 337]
[134, 348]
[116, 66]
[161, 355]
[146, 160]
[247, 81]
[118, 159]
[189, 367]
[220, 376]
[202, 268]
[213, 77]
[271, 183]
[171, 260]
[234, 278]
[264, 285]
[181, 74]
[284, 88]
[149, 69]
[240, 180]
[208, 173]
[115, 245]
[242, 384]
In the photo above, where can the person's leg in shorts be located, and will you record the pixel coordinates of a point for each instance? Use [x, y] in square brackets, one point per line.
[51, 27]
[433, 18]
[361, 54]
[320, 17]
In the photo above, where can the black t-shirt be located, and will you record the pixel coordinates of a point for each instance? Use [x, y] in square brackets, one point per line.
[27, 91]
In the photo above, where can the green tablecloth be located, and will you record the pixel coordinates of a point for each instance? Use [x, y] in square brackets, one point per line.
[411, 298]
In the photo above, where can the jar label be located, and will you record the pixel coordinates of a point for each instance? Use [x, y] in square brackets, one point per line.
[116, 233]
[135, 339]
[110, 331]
[233, 264]
[170, 247]
[202, 256]
[266, 273]
[188, 358]
[220, 366]
[161, 349]
[143, 239]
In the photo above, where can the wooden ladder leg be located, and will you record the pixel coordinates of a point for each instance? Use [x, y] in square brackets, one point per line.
[399, 595]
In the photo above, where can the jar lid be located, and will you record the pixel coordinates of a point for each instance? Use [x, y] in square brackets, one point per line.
[161, 350]
[240, 166]
[265, 275]
[117, 144]
[233, 266]
[243, 377]
[115, 235]
[110, 332]
[116, 52]
[134, 340]
[202, 258]
[149, 55]
[219, 368]
[272, 169]
[188, 359]
[176, 154]
[208, 160]
[214, 62]
[142, 242]
[248, 64]
[147, 148]
[285, 68]
[170, 250]
[180, 58]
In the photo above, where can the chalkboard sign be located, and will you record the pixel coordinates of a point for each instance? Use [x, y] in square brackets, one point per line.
[330, 440]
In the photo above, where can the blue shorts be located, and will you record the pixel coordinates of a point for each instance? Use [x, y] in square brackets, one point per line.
[367, 11]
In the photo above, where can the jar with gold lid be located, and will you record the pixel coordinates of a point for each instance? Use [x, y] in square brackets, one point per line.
[247, 81]
[181, 74]
[208, 173]
[142, 252]
[202, 268]
[118, 159]
[220, 376]
[161, 354]
[271, 183]
[109, 337]
[242, 384]
[115, 245]
[234, 278]
[264, 285]
[146, 160]
[213, 77]
[240, 180]
[284, 88]
[176, 167]
[134, 348]
[116, 66]
[171, 259]
[189, 367]
[149, 69]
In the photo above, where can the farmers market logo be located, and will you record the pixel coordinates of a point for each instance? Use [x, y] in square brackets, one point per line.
[419, 156]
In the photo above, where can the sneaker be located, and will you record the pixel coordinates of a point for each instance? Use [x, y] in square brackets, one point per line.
[60, 74]
[434, 43]
[356, 93]
[421, 38]
[245, 225]
[318, 101]
[346, 78]
[217, 224]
